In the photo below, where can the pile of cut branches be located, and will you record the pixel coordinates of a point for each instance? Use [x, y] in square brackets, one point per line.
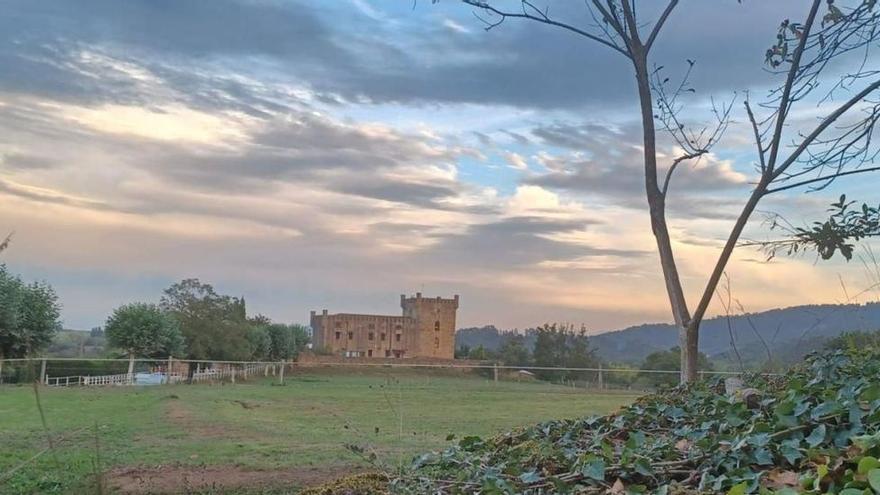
[817, 430]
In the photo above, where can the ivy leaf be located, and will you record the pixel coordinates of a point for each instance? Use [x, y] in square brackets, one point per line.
[868, 463]
[530, 477]
[874, 479]
[763, 457]
[740, 489]
[594, 468]
[817, 436]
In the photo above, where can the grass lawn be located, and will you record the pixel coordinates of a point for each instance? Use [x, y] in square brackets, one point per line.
[254, 437]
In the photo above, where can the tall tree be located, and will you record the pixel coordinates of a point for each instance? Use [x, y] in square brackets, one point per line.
[29, 315]
[214, 326]
[818, 154]
[143, 330]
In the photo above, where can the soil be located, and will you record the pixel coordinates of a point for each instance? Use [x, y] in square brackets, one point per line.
[187, 479]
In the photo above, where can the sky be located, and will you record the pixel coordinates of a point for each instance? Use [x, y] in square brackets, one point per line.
[336, 154]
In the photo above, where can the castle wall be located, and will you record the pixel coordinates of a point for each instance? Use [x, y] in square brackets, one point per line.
[426, 329]
[355, 335]
[435, 324]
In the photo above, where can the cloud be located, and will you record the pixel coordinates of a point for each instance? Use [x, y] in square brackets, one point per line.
[516, 161]
[363, 54]
[609, 162]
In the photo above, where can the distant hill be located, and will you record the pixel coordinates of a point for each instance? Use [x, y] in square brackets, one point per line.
[788, 333]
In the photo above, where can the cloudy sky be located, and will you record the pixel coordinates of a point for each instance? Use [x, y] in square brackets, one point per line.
[335, 154]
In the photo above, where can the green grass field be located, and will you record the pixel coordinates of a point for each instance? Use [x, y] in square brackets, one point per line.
[258, 437]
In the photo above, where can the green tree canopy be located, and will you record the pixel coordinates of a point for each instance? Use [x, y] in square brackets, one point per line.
[286, 341]
[514, 351]
[214, 326]
[29, 315]
[144, 330]
[560, 346]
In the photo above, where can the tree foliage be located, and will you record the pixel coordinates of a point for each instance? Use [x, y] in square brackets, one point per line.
[214, 326]
[286, 341]
[144, 330]
[669, 360]
[846, 225]
[562, 346]
[29, 315]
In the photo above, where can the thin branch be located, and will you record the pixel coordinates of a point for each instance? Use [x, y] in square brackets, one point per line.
[675, 163]
[821, 128]
[758, 141]
[542, 18]
[820, 179]
[659, 24]
[786, 101]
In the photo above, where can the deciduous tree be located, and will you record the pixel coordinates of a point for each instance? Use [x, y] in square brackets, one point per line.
[143, 330]
[789, 154]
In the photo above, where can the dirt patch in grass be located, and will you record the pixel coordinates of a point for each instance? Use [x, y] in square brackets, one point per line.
[189, 479]
[182, 416]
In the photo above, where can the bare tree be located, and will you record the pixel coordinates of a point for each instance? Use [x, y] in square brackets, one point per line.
[789, 156]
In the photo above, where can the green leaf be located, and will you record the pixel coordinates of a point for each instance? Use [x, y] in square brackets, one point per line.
[821, 472]
[868, 463]
[817, 436]
[530, 477]
[874, 479]
[740, 489]
[594, 468]
[850, 491]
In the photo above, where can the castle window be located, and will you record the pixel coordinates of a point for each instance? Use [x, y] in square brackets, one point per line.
[398, 327]
[370, 353]
[387, 353]
[338, 324]
[370, 336]
[437, 326]
[350, 335]
[338, 334]
[371, 326]
[437, 342]
[382, 336]
[397, 337]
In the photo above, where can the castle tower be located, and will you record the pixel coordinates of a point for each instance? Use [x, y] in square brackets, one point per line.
[434, 319]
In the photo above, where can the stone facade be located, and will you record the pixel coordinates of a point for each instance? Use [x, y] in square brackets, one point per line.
[426, 329]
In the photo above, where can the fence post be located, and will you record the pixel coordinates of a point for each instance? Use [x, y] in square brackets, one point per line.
[168, 371]
[601, 378]
[281, 375]
[265, 370]
[495, 371]
[43, 371]
[233, 373]
[1, 372]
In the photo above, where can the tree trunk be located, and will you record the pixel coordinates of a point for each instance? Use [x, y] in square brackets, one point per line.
[657, 209]
[131, 367]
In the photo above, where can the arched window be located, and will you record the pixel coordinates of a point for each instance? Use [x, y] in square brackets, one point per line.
[437, 326]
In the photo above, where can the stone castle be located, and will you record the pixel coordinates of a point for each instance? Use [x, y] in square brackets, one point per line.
[426, 329]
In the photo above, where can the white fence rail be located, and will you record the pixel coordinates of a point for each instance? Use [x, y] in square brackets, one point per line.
[222, 371]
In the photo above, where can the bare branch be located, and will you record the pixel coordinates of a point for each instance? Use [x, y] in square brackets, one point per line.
[689, 156]
[659, 25]
[785, 101]
[821, 179]
[758, 141]
[542, 18]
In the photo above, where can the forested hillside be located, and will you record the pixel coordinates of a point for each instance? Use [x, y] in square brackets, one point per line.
[786, 334]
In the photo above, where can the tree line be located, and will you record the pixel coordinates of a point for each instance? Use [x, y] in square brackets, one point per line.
[565, 346]
[191, 321]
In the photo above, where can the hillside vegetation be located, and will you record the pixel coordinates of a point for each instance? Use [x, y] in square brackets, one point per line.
[788, 334]
[816, 430]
